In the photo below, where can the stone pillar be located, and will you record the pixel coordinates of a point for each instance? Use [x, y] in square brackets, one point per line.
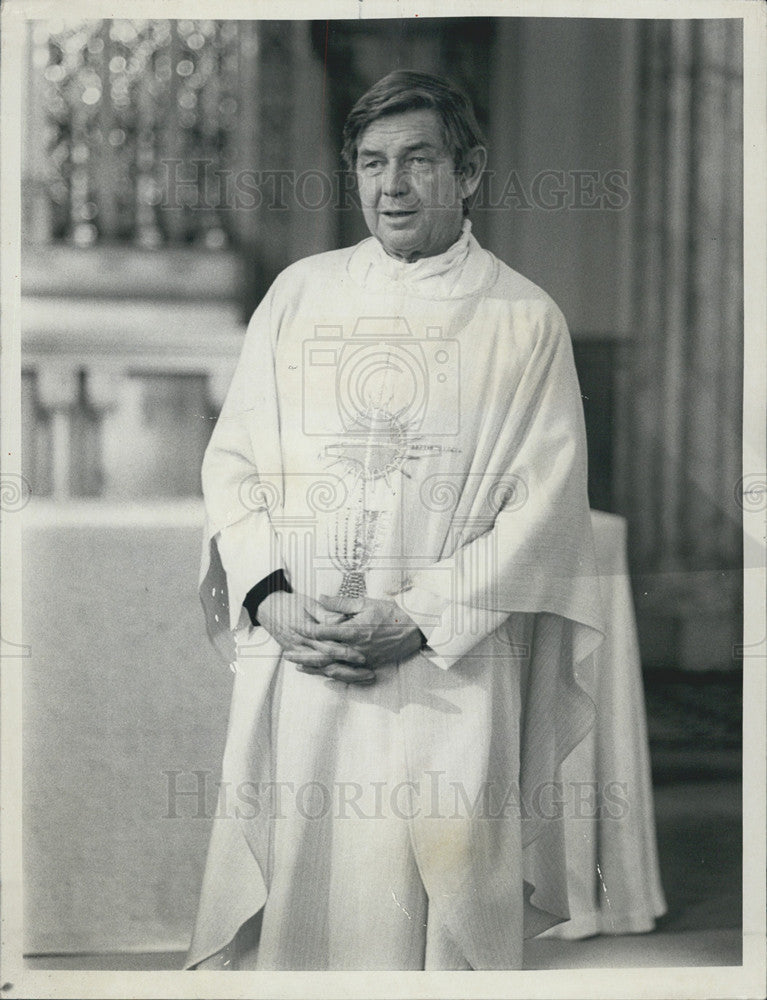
[58, 391]
[104, 387]
[681, 442]
[688, 300]
[282, 144]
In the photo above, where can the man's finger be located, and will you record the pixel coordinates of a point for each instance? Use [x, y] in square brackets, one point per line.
[306, 630]
[322, 653]
[320, 614]
[339, 672]
[315, 671]
[344, 605]
[345, 632]
[349, 675]
[342, 651]
[307, 657]
[342, 634]
[350, 633]
[328, 617]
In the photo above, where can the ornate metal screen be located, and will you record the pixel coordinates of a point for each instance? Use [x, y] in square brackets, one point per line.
[138, 121]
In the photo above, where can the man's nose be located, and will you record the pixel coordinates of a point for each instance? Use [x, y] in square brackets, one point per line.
[395, 180]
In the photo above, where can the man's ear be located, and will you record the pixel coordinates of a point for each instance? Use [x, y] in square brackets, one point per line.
[471, 171]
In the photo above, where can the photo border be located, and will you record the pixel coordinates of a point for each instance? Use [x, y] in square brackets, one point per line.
[699, 981]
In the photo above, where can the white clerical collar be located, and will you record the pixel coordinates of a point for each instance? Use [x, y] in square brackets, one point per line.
[461, 270]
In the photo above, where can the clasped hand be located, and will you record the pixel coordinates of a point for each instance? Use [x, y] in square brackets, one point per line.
[343, 638]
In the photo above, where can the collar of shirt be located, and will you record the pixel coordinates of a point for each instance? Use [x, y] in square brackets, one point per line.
[461, 270]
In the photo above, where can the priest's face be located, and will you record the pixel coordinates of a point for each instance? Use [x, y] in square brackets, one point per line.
[411, 193]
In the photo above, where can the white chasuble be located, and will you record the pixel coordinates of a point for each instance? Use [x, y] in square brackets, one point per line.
[412, 432]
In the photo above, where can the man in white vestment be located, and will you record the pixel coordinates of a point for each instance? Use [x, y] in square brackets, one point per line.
[398, 540]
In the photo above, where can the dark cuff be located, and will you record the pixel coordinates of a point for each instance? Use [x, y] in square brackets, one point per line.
[269, 585]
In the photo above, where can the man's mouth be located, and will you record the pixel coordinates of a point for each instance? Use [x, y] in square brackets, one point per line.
[397, 213]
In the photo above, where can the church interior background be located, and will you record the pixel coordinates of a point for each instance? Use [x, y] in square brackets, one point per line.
[172, 169]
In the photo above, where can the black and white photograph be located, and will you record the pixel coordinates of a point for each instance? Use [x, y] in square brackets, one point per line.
[383, 499]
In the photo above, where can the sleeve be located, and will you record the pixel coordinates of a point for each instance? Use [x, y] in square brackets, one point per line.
[271, 584]
[436, 617]
[528, 545]
[250, 555]
[242, 480]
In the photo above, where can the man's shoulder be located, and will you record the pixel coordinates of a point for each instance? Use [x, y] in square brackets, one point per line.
[520, 292]
[513, 285]
[316, 267]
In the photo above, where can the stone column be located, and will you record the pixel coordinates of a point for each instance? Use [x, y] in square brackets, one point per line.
[681, 442]
[58, 390]
[688, 300]
[104, 385]
[266, 103]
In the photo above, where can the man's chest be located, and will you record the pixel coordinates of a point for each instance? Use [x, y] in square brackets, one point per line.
[394, 375]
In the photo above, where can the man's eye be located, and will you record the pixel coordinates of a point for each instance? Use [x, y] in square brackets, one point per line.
[420, 161]
[371, 165]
